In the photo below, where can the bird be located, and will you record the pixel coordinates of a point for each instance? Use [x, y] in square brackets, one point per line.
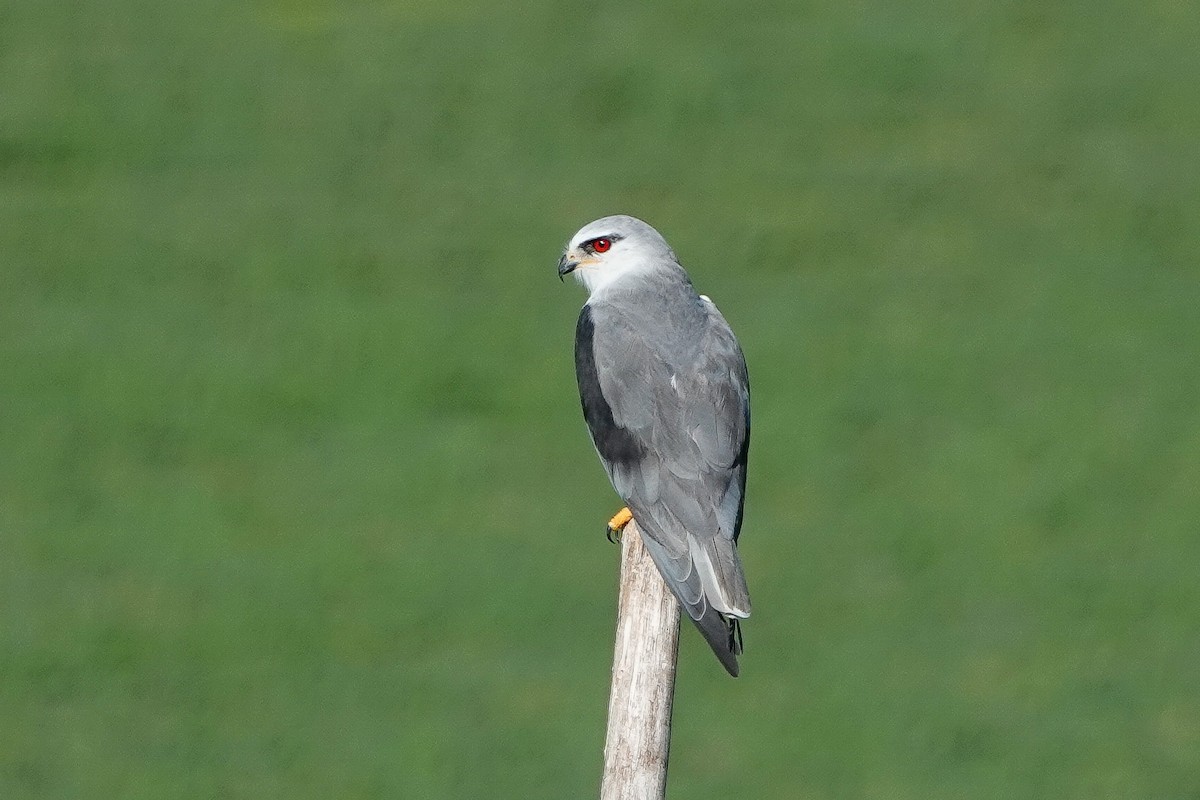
[666, 396]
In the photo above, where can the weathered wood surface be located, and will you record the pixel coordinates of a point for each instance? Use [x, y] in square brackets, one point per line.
[638, 741]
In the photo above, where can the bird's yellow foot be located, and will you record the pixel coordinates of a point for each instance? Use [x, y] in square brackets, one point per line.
[618, 523]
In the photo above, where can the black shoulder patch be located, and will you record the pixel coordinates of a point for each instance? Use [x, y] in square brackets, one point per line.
[616, 444]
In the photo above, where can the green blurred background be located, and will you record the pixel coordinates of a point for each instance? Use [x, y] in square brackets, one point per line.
[296, 500]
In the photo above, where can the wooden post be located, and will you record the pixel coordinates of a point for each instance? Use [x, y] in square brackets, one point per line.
[638, 740]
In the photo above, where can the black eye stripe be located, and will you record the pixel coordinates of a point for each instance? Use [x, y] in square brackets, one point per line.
[590, 244]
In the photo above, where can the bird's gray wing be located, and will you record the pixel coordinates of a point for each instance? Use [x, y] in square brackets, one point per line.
[668, 405]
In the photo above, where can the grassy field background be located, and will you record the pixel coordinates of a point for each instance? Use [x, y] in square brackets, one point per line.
[295, 496]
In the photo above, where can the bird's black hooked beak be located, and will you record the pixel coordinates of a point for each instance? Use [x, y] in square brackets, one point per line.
[566, 265]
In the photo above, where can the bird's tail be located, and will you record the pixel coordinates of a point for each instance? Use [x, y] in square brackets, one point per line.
[722, 631]
[724, 636]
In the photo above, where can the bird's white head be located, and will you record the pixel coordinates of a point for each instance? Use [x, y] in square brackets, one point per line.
[611, 248]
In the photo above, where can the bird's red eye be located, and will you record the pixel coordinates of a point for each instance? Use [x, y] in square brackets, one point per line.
[601, 245]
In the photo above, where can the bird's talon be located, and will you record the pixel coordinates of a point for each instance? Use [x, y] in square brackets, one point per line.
[617, 524]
